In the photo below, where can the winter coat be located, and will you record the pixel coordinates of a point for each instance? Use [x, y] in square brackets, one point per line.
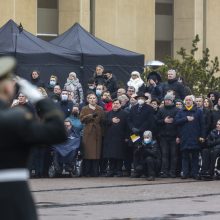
[66, 107]
[215, 116]
[141, 118]
[75, 87]
[111, 85]
[207, 114]
[190, 131]
[213, 138]
[100, 80]
[156, 92]
[165, 129]
[136, 83]
[114, 139]
[176, 86]
[92, 133]
[38, 82]
[151, 150]
[107, 106]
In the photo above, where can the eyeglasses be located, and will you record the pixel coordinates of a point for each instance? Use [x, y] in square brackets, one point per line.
[130, 90]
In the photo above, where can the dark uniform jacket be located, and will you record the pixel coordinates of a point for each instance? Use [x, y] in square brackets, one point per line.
[114, 138]
[19, 131]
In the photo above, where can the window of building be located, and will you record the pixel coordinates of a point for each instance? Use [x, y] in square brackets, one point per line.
[163, 49]
[163, 29]
[47, 19]
[164, 9]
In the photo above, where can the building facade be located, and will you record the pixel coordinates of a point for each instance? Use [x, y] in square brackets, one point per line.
[156, 28]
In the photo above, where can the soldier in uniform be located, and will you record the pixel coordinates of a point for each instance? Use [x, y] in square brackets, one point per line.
[18, 132]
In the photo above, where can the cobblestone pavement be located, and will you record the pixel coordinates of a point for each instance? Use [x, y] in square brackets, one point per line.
[126, 198]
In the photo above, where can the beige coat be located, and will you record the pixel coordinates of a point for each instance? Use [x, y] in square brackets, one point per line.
[92, 133]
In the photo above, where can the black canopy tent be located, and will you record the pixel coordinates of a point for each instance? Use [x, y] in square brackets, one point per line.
[34, 53]
[95, 51]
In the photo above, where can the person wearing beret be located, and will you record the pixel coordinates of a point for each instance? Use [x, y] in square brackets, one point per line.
[16, 202]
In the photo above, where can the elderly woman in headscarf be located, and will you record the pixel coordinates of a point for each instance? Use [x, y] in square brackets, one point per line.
[136, 82]
[73, 85]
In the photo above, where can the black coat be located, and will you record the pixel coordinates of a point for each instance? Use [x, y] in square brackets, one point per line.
[176, 86]
[111, 85]
[114, 139]
[167, 130]
[207, 114]
[66, 107]
[190, 131]
[213, 138]
[38, 82]
[156, 92]
[19, 131]
[141, 118]
[100, 80]
[215, 116]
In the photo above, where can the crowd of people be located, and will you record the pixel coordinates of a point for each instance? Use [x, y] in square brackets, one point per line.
[151, 129]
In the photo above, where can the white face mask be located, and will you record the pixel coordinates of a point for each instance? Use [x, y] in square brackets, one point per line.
[91, 87]
[64, 97]
[147, 140]
[140, 101]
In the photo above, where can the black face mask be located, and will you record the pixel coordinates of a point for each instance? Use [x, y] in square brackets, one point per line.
[75, 114]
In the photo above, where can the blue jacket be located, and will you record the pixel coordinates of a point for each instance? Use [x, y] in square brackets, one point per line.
[190, 131]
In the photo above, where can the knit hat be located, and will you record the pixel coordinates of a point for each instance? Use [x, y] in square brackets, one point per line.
[148, 133]
[168, 97]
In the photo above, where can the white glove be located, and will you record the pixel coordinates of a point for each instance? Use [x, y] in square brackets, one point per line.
[29, 90]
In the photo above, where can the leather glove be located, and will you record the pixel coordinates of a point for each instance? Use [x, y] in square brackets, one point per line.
[29, 90]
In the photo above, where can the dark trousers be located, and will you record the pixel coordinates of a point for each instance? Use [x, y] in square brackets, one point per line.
[150, 166]
[214, 154]
[115, 166]
[16, 202]
[91, 167]
[190, 157]
[169, 155]
[128, 159]
[37, 161]
[206, 161]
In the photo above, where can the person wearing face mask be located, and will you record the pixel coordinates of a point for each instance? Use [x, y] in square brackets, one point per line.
[75, 121]
[91, 87]
[73, 85]
[53, 81]
[65, 104]
[147, 157]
